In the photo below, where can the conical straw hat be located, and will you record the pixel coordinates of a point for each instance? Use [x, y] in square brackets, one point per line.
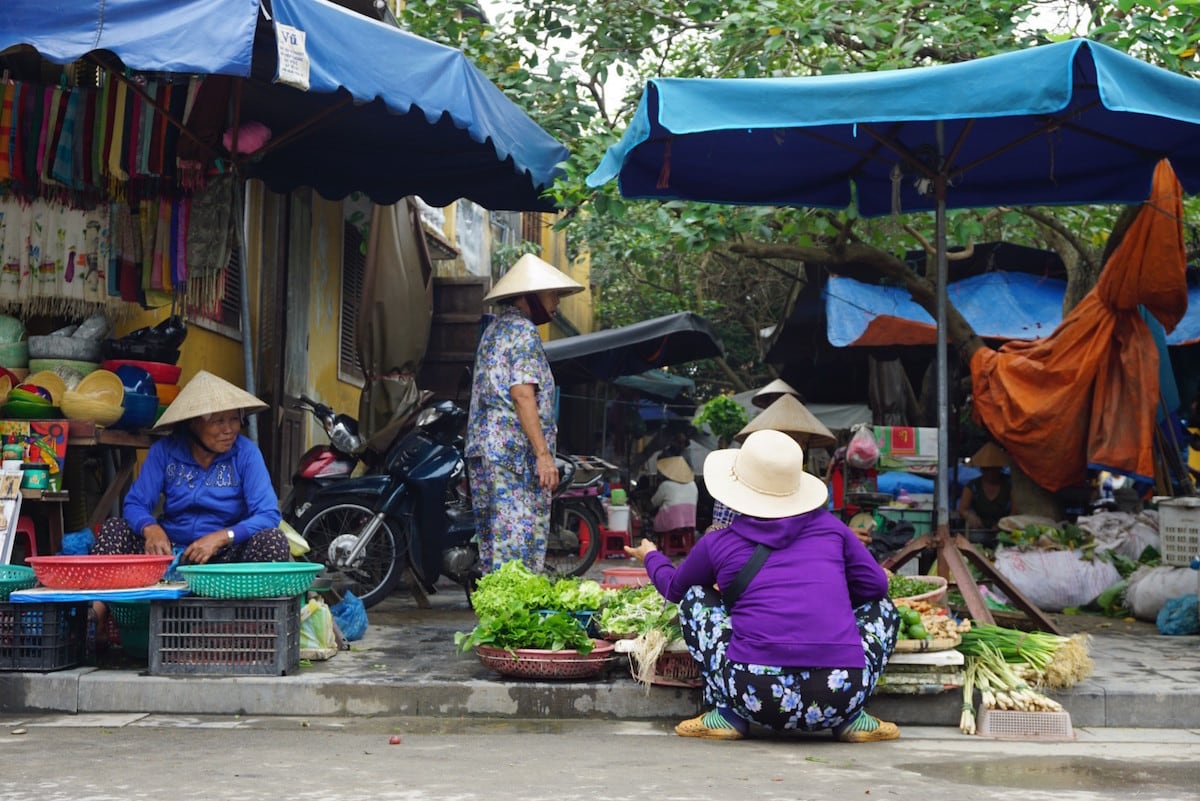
[208, 394]
[768, 394]
[990, 455]
[676, 469]
[531, 274]
[791, 417]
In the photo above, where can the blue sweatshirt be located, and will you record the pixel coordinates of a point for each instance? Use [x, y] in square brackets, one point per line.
[234, 492]
[798, 612]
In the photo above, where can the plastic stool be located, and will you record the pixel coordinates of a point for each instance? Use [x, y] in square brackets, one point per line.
[612, 543]
[677, 541]
[25, 526]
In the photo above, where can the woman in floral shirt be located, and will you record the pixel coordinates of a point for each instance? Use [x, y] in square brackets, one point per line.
[511, 431]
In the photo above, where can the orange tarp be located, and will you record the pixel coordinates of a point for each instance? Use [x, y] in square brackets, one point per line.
[1088, 393]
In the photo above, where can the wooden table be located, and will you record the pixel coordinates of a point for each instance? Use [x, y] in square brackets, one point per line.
[125, 445]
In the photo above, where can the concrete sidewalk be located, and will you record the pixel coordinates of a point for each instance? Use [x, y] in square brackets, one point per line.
[406, 665]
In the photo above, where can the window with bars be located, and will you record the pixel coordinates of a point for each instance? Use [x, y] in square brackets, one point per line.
[354, 265]
[218, 307]
[531, 227]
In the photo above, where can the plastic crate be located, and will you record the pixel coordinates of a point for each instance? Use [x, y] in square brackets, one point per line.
[1011, 724]
[133, 626]
[225, 637]
[1179, 530]
[42, 636]
[921, 519]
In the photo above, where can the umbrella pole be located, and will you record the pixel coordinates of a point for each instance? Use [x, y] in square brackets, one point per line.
[951, 550]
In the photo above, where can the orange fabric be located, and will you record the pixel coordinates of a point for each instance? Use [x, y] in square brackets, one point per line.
[1088, 393]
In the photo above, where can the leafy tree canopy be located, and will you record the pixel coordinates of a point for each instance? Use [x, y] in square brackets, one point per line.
[563, 60]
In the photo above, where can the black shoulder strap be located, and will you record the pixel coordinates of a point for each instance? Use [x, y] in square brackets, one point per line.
[742, 579]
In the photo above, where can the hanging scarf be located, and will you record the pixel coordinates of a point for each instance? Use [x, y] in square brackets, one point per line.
[132, 130]
[45, 125]
[83, 142]
[34, 108]
[63, 161]
[129, 253]
[7, 90]
[116, 142]
[180, 276]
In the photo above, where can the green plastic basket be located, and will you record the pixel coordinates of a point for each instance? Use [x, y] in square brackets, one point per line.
[250, 579]
[15, 577]
[133, 623]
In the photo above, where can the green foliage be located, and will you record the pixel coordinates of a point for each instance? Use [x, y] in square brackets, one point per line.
[578, 67]
[724, 417]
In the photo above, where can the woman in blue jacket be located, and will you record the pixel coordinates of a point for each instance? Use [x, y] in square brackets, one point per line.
[218, 504]
[803, 643]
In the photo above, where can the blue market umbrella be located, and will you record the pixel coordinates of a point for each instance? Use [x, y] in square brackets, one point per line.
[1072, 122]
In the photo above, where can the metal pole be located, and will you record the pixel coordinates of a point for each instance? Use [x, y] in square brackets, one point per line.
[943, 390]
[247, 334]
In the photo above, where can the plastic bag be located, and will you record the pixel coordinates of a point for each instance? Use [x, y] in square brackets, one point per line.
[318, 638]
[1055, 580]
[351, 616]
[863, 451]
[1151, 587]
[1179, 616]
[296, 543]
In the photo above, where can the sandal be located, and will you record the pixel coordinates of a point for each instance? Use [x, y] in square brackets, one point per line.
[862, 731]
[697, 727]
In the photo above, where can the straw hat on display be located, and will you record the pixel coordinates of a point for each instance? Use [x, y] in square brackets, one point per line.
[772, 392]
[764, 478]
[208, 394]
[531, 274]
[791, 417]
[990, 455]
[676, 469]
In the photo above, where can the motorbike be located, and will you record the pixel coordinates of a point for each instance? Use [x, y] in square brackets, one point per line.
[337, 460]
[411, 517]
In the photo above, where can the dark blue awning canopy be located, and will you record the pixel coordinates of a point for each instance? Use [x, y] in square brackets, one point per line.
[386, 112]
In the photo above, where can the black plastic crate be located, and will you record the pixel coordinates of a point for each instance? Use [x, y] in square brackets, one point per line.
[42, 636]
[225, 637]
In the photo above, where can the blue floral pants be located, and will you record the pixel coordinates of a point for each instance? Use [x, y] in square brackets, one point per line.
[785, 698]
[512, 516]
[270, 545]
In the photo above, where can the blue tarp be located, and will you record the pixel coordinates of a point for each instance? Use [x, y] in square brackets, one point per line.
[394, 114]
[998, 305]
[1074, 122]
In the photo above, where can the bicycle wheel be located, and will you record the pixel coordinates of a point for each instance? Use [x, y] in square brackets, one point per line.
[574, 539]
[332, 529]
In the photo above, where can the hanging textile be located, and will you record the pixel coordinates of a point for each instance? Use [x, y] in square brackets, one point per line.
[7, 91]
[52, 258]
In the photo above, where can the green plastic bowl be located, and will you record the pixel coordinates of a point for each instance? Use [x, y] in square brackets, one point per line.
[15, 577]
[250, 579]
[24, 410]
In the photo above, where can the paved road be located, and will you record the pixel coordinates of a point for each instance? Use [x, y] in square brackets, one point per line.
[111, 757]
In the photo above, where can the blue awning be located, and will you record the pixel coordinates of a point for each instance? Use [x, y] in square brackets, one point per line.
[386, 113]
[1069, 122]
[998, 305]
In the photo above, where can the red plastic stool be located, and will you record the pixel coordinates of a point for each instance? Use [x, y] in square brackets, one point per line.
[612, 543]
[25, 526]
[677, 541]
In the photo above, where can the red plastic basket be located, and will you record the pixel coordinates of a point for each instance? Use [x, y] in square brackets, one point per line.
[96, 572]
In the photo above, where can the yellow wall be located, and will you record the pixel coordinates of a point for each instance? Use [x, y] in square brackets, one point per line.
[324, 312]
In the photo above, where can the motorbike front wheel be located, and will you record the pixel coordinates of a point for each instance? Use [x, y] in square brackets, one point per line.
[574, 540]
[332, 528]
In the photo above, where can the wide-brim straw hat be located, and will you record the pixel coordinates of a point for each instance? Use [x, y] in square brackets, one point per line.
[208, 394]
[531, 274]
[791, 417]
[676, 468]
[764, 478]
[990, 455]
[772, 392]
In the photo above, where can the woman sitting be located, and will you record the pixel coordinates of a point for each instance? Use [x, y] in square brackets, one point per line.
[802, 626]
[674, 501]
[218, 502]
[987, 498]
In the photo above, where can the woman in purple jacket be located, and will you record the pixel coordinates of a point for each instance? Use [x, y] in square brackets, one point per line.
[805, 641]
